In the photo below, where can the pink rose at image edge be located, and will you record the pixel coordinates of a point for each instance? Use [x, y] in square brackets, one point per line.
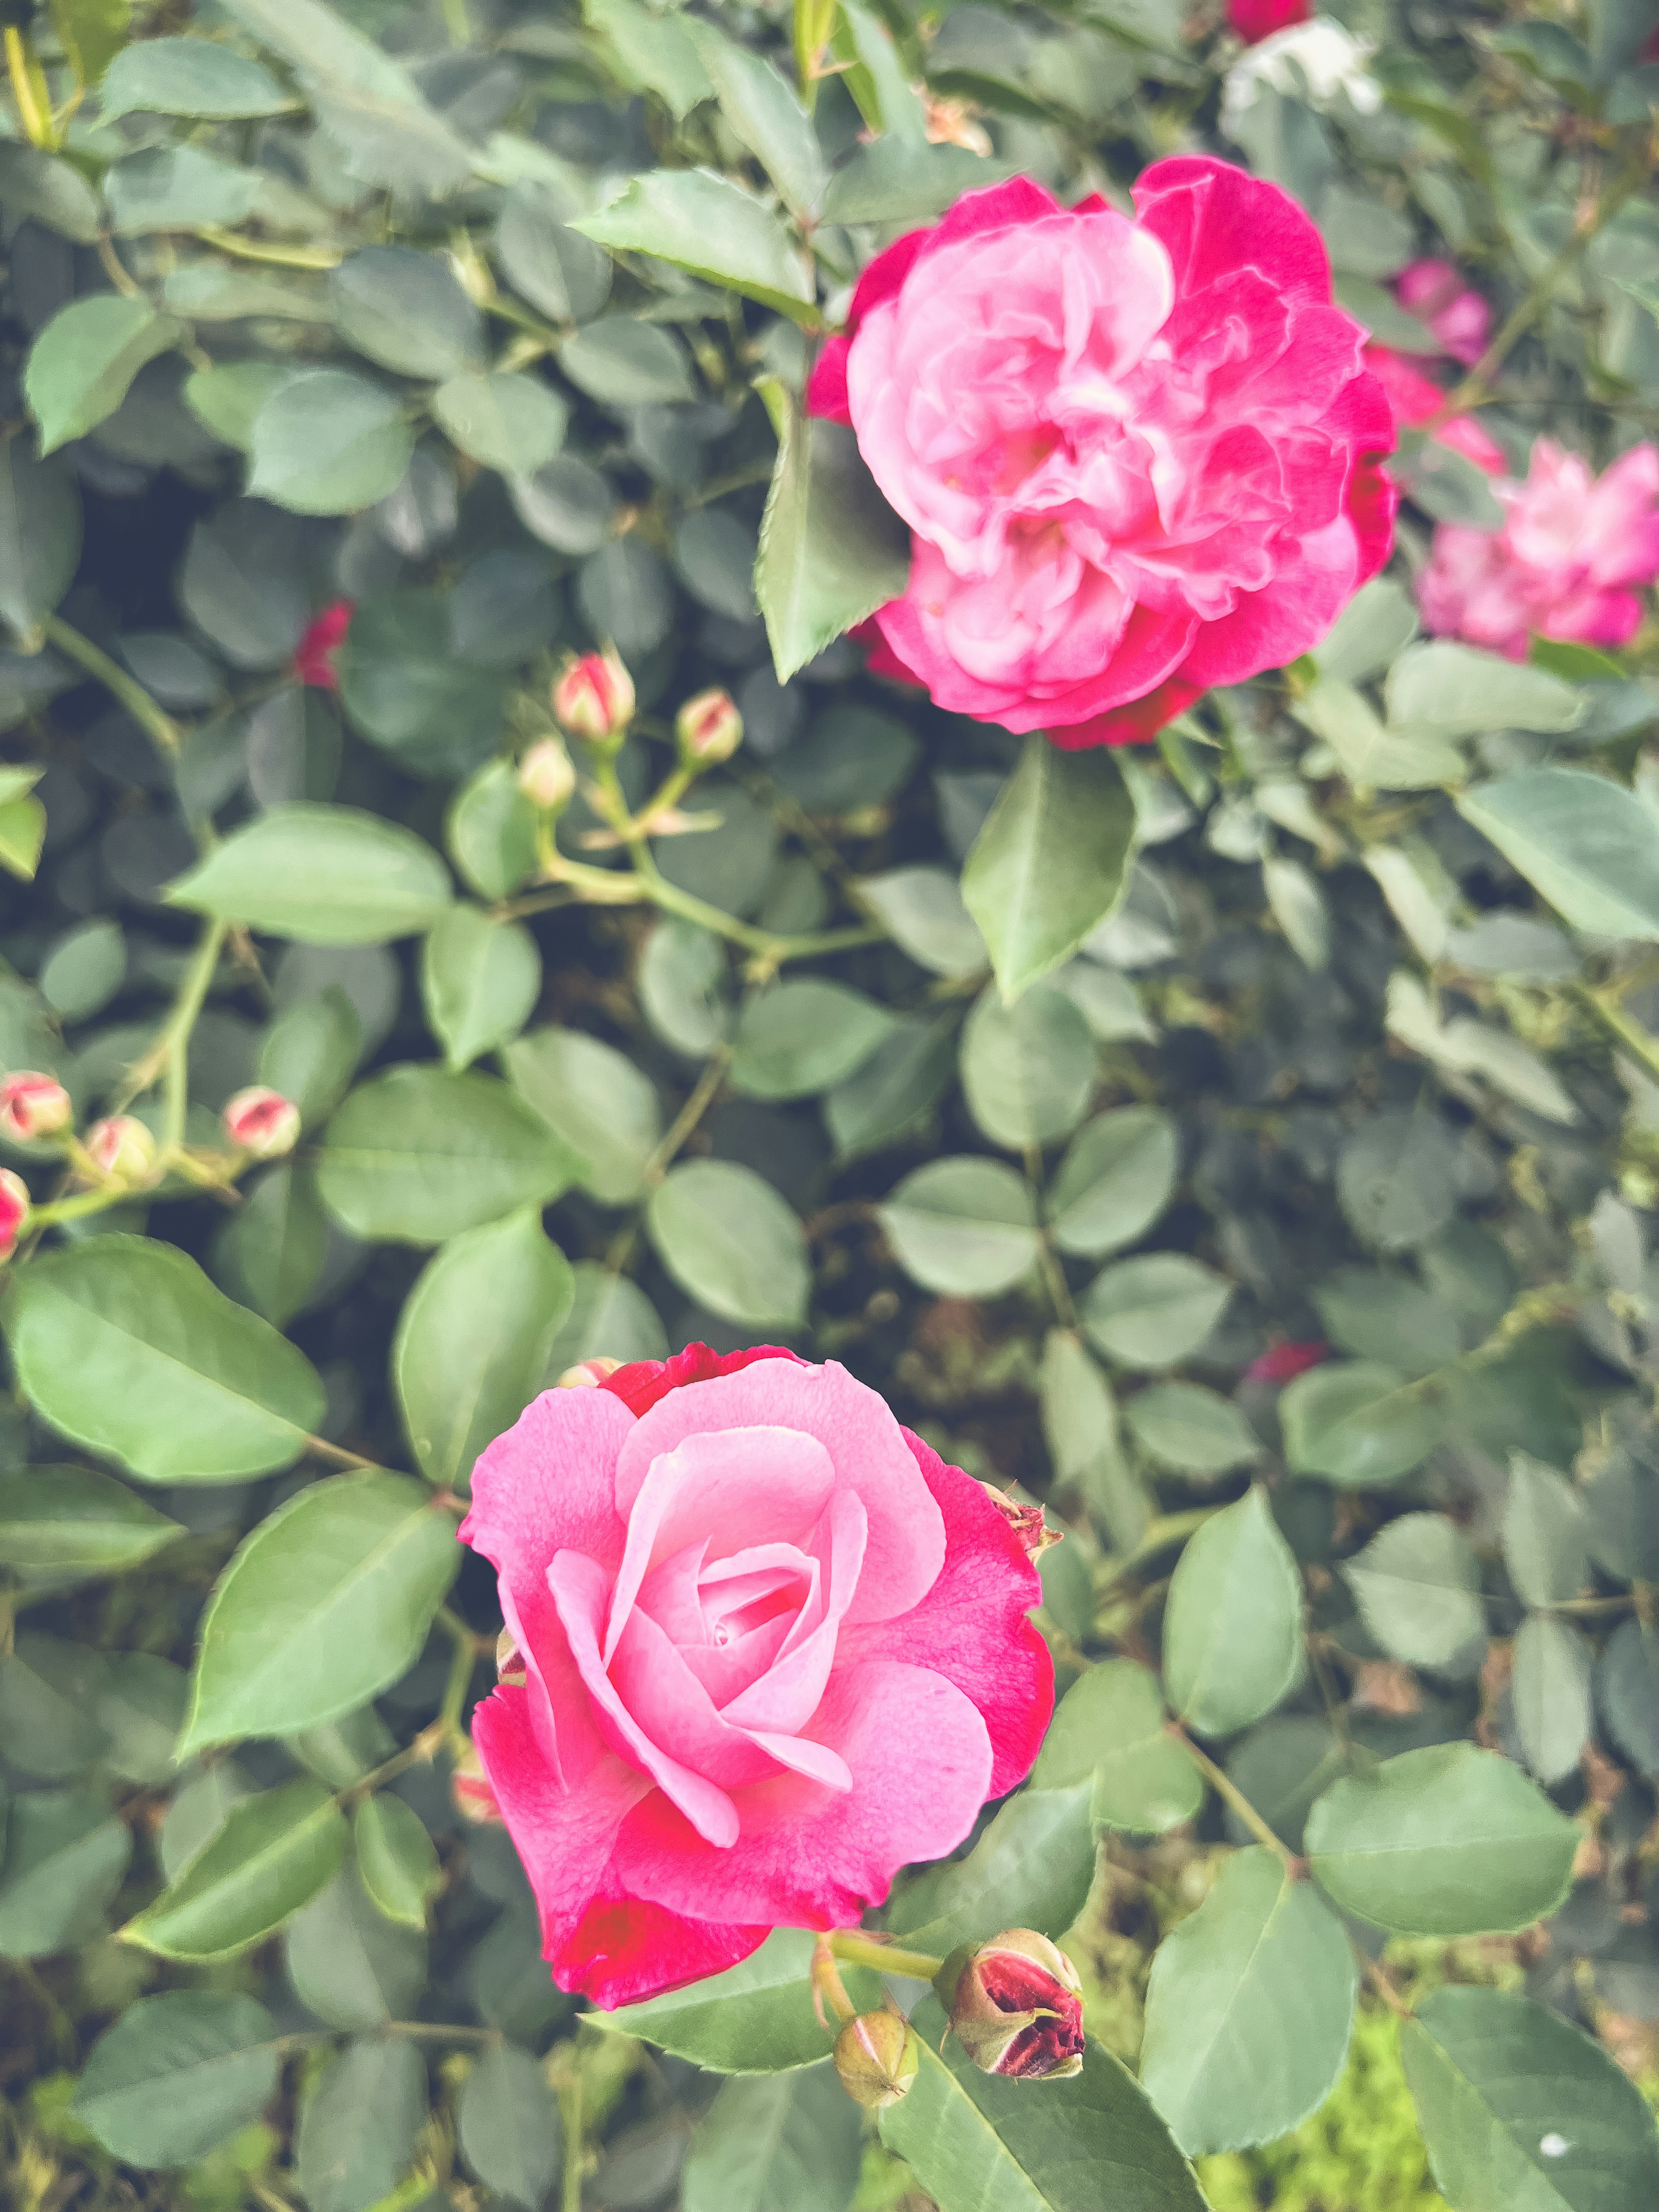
[1565, 565]
[1189, 365]
[774, 1650]
[1256, 20]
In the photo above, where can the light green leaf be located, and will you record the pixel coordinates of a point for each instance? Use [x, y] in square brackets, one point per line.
[178, 2074]
[322, 875]
[406, 311]
[80, 366]
[1417, 1584]
[1444, 686]
[1028, 1068]
[349, 1964]
[899, 180]
[1356, 1422]
[1586, 844]
[1110, 1726]
[1032, 1868]
[1117, 1177]
[65, 1855]
[730, 1242]
[1081, 1428]
[480, 980]
[596, 1098]
[1232, 1629]
[124, 1344]
[188, 77]
[1248, 2009]
[922, 910]
[473, 1341]
[1550, 1683]
[1450, 1840]
[177, 188]
[1545, 1533]
[396, 1857]
[1195, 1431]
[75, 1521]
[502, 419]
[40, 540]
[803, 1035]
[273, 1852]
[1373, 755]
[771, 2140]
[655, 51]
[327, 1601]
[756, 2017]
[327, 441]
[359, 2125]
[762, 108]
[1154, 1311]
[965, 1228]
[624, 362]
[1397, 1179]
[707, 224]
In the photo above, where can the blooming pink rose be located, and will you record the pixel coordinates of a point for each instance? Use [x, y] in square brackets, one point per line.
[1417, 399]
[774, 1650]
[1255, 20]
[1436, 294]
[1137, 457]
[1563, 566]
[313, 657]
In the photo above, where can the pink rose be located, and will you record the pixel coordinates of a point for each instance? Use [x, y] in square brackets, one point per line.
[313, 657]
[1137, 457]
[1417, 399]
[1255, 20]
[774, 1650]
[1436, 294]
[1563, 566]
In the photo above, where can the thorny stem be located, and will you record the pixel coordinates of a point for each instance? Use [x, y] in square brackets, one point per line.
[115, 680]
[857, 1948]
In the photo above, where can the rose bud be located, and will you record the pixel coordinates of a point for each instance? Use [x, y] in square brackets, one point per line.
[262, 1121]
[468, 1786]
[594, 696]
[876, 2057]
[547, 776]
[1283, 1363]
[313, 657]
[122, 1149]
[709, 728]
[1024, 1519]
[13, 1210]
[1018, 2007]
[586, 1374]
[32, 1105]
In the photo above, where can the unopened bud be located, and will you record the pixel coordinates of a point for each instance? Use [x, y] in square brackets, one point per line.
[709, 728]
[594, 696]
[13, 1211]
[1016, 2006]
[32, 1105]
[547, 776]
[262, 1121]
[1024, 1519]
[314, 656]
[122, 1149]
[587, 1374]
[471, 1789]
[876, 2058]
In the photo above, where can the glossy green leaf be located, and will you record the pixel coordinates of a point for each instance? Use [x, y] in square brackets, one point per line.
[758, 102]
[756, 2017]
[480, 979]
[323, 875]
[1032, 1868]
[1356, 1422]
[502, 419]
[1418, 1584]
[273, 1854]
[1586, 843]
[730, 1242]
[188, 77]
[75, 1521]
[705, 223]
[1028, 1068]
[1110, 1726]
[963, 1227]
[1232, 1628]
[396, 1859]
[81, 366]
[1156, 1311]
[1550, 1677]
[596, 1099]
[1194, 1431]
[328, 441]
[350, 1965]
[922, 910]
[177, 2073]
[65, 1855]
[1117, 1178]
[803, 1035]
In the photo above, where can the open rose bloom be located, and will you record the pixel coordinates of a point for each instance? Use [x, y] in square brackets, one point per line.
[1137, 457]
[773, 1650]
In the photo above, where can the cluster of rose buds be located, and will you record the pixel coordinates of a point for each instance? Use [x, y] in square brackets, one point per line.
[593, 700]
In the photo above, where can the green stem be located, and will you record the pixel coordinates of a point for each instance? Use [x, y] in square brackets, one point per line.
[858, 1949]
[689, 1115]
[1620, 1027]
[601, 887]
[192, 992]
[461, 1665]
[1226, 1788]
[456, 24]
[115, 680]
[74, 1209]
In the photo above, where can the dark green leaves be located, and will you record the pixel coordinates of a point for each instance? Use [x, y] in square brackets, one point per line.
[801, 1036]
[1232, 1632]
[358, 2125]
[508, 2124]
[273, 1854]
[1051, 860]
[323, 875]
[190, 1388]
[1446, 1841]
[75, 1521]
[705, 223]
[328, 1601]
[178, 2074]
[1589, 845]
[831, 551]
[328, 441]
[188, 77]
[1032, 1868]
[775, 2139]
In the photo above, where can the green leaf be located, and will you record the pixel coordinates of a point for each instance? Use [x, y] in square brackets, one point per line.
[1028, 1069]
[1154, 1311]
[1417, 1584]
[966, 1228]
[1455, 689]
[1550, 1684]
[772, 2140]
[597, 1100]
[91, 32]
[922, 910]
[756, 2017]
[896, 180]
[1588, 845]
[359, 2125]
[349, 1964]
[1372, 756]
[327, 1601]
[310, 1051]
[65, 1855]
[624, 362]
[228, 397]
[396, 1859]
[322, 875]
[1449, 1840]
[832, 549]
[566, 277]
[188, 77]
[473, 1341]
[273, 1854]
[75, 1521]
[81, 364]
[23, 834]
[1355, 1422]
[1109, 1726]
[1545, 1533]
[656, 52]
[40, 537]
[51, 190]
[1032, 1868]
[49, 1694]
[1248, 2009]
[801, 1036]
[979, 2143]
[271, 1252]
[188, 1388]
[707, 224]
[502, 419]
[328, 441]
[1194, 1431]
[1117, 1177]
[419, 1155]
[1232, 1629]
[480, 980]
[177, 2075]
[1522, 2113]
[406, 311]
[491, 832]
[1081, 1428]
[177, 188]
[508, 2124]
[730, 1242]
[762, 110]
[1052, 860]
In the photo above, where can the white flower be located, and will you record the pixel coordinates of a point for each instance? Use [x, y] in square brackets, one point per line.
[1315, 61]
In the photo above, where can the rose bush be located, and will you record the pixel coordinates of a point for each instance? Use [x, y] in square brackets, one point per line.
[773, 1649]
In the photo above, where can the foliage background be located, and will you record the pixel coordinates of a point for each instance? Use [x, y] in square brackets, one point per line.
[1363, 1054]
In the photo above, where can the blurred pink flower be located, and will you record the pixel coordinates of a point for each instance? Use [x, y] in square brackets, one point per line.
[1567, 564]
[313, 657]
[1260, 19]
[1283, 1363]
[1416, 399]
[1434, 291]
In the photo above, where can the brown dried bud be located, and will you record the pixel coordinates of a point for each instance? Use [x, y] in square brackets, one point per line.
[1025, 1520]
[876, 2058]
[1016, 2007]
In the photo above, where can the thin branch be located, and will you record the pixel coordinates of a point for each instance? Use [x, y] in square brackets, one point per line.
[1226, 1788]
[116, 681]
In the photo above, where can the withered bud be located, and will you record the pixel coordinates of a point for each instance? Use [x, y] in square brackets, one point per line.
[1016, 2006]
[1025, 1520]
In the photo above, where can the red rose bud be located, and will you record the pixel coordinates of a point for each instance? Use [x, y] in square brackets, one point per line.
[547, 776]
[876, 2058]
[595, 697]
[469, 1787]
[1017, 2008]
[1254, 20]
[313, 657]
[1024, 1519]
[262, 1121]
[13, 1211]
[121, 1149]
[1283, 1363]
[32, 1105]
[709, 728]
[587, 1374]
